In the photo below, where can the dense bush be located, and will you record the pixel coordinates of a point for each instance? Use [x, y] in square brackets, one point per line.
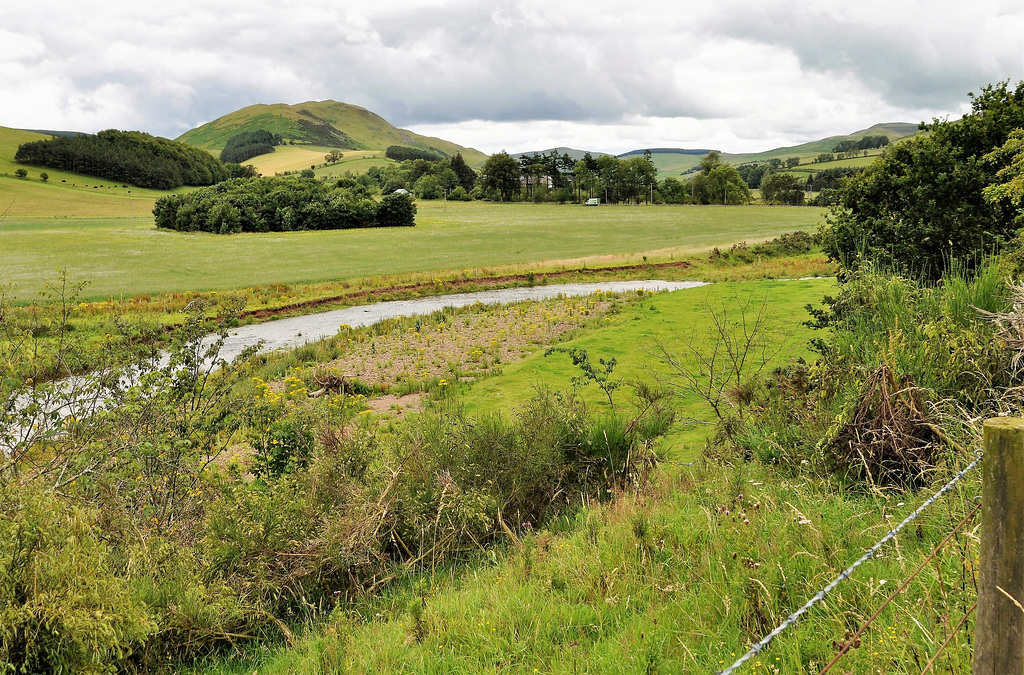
[128, 157]
[249, 144]
[905, 365]
[130, 538]
[277, 205]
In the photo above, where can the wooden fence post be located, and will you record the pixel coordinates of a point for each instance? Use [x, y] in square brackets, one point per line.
[999, 628]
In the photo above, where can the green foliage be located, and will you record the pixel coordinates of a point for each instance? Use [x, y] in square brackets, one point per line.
[500, 175]
[718, 183]
[783, 188]
[43, 176]
[20, 173]
[1009, 194]
[921, 206]
[401, 153]
[64, 604]
[396, 210]
[902, 359]
[589, 372]
[249, 144]
[270, 205]
[465, 174]
[865, 143]
[126, 157]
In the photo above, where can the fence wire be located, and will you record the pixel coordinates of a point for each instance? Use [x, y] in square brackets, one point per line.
[820, 595]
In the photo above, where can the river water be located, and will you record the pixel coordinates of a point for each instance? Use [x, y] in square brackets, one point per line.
[295, 331]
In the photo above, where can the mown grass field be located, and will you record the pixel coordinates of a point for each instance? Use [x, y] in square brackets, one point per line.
[679, 577]
[122, 257]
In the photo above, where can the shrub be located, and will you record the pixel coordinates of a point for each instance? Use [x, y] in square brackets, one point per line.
[63, 606]
[396, 210]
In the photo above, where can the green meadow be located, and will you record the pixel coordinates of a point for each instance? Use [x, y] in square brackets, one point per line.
[123, 256]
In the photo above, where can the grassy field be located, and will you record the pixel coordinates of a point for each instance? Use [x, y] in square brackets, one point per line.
[121, 256]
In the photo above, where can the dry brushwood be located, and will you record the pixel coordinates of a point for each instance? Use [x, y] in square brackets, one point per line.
[335, 384]
[1011, 326]
[889, 436]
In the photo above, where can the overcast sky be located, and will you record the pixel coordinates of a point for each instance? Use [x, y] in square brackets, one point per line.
[736, 75]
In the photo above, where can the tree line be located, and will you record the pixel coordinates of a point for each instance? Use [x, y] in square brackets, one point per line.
[401, 153]
[277, 204]
[249, 144]
[126, 157]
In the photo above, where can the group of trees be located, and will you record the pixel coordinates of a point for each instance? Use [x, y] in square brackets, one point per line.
[554, 177]
[401, 153]
[936, 198]
[866, 143]
[249, 144]
[428, 179]
[126, 157]
[718, 182]
[754, 172]
[281, 205]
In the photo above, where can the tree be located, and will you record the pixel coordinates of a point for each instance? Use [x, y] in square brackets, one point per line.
[792, 162]
[782, 188]
[428, 187]
[467, 177]
[20, 173]
[307, 173]
[921, 206]
[725, 186]
[501, 174]
[673, 191]
[718, 182]
[396, 210]
[43, 176]
[1010, 192]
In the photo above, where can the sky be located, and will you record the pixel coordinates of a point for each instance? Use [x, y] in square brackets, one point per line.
[734, 75]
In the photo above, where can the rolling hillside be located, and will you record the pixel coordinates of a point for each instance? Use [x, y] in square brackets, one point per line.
[684, 160]
[320, 124]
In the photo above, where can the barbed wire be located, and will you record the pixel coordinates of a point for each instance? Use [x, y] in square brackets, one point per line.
[820, 595]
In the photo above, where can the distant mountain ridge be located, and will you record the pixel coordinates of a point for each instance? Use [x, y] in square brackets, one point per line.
[328, 124]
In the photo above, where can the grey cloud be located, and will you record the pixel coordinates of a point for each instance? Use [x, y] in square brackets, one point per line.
[931, 63]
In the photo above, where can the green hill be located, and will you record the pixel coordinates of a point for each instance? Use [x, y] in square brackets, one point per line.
[683, 160]
[323, 124]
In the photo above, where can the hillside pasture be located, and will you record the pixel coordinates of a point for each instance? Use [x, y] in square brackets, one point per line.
[121, 257]
[299, 157]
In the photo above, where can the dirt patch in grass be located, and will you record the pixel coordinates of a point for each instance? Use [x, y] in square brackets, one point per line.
[397, 406]
[465, 345]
